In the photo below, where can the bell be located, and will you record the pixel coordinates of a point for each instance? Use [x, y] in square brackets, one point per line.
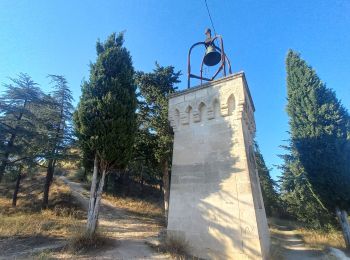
[212, 57]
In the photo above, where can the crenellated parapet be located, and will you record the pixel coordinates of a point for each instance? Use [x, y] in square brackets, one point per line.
[225, 99]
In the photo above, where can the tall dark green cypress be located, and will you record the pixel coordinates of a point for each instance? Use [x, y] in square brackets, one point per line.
[316, 180]
[105, 121]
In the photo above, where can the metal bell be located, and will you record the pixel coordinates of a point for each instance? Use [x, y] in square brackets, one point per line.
[212, 57]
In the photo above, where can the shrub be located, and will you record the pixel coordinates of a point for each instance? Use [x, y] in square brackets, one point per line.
[178, 247]
[82, 242]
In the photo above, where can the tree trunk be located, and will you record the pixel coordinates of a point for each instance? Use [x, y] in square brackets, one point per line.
[344, 223]
[15, 193]
[115, 179]
[4, 161]
[120, 179]
[165, 170]
[95, 200]
[126, 183]
[3, 167]
[105, 187]
[160, 187]
[92, 193]
[48, 181]
[142, 180]
[10, 144]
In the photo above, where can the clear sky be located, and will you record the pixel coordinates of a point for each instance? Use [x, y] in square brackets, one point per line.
[58, 37]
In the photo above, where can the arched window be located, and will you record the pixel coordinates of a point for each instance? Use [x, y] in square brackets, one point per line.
[231, 104]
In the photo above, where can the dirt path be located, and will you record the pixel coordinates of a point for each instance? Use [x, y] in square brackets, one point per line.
[129, 231]
[292, 247]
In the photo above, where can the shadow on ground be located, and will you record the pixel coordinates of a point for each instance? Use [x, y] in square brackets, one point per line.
[291, 246]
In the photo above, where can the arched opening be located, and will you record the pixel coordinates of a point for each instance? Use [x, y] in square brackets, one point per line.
[202, 111]
[231, 104]
[177, 117]
[189, 114]
[216, 108]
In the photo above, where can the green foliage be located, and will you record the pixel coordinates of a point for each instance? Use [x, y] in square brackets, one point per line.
[155, 137]
[316, 175]
[38, 123]
[35, 127]
[144, 164]
[56, 114]
[268, 186]
[105, 120]
[18, 122]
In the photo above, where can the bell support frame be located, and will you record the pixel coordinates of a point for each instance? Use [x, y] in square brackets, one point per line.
[224, 60]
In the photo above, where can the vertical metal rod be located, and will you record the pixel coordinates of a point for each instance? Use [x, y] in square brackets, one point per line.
[223, 55]
[189, 63]
[202, 70]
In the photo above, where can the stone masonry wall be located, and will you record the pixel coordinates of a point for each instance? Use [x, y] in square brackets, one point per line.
[215, 197]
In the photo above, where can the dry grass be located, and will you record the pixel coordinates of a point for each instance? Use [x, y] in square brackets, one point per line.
[33, 224]
[175, 246]
[78, 175]
[321, 239]
[137, 206]
[27, 219]
[178, 248]
[276, 248]
[317, 239]
[82, 242]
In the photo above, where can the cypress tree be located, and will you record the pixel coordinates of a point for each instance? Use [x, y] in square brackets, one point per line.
[105, 120]
[315, 171]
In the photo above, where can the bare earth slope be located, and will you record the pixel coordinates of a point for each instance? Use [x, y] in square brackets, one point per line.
[130, 231]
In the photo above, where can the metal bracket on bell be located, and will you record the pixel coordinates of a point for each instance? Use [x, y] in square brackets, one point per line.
[213, 56]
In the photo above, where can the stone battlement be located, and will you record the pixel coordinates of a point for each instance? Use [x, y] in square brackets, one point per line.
[229, 96]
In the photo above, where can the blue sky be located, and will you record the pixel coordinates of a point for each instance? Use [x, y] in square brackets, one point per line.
[58, 37]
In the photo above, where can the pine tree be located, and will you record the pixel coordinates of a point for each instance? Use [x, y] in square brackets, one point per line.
[17, 121]
[105, 120]
[57, 116]
[315, 170]
[155, 89]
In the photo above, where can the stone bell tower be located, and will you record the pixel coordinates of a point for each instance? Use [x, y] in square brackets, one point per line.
[216, 204]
